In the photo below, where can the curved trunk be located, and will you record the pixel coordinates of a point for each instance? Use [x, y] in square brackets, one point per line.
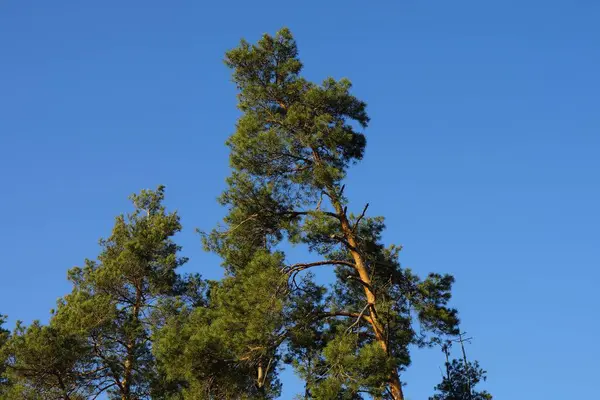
[394, 383]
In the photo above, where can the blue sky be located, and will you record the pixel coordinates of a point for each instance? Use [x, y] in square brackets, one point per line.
[482, 152]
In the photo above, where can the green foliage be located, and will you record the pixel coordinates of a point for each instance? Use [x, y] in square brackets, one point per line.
[459, 382]
[287, 119]
[216, 351]
[47, 363]
[290, 153]
[351, 369]
[113, 298]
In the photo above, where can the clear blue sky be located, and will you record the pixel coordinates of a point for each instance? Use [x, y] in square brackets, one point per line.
[483, 152]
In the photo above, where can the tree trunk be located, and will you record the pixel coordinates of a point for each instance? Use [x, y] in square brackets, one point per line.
[63, 386]
[129, 361]
[361, 268]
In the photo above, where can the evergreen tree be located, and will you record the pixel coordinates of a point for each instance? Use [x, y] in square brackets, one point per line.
[47, 363]
[113, 298]
[227, 348]
[461, 377]
[290, 153]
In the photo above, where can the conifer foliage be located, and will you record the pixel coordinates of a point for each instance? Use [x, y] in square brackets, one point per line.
[134, 328]
[290, 154]
[462, 376]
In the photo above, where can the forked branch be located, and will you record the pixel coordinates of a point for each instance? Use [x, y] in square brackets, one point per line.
[360, 217]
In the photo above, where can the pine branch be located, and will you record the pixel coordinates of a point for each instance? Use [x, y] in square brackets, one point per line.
[366, 307]
[327, 314]
[359, 218]
[302, 266]
[301, 213]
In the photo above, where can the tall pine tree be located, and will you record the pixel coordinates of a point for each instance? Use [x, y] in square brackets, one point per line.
[290, 153]
[113, 298]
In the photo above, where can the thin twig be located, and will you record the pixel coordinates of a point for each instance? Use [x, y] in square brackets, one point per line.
[358, 318]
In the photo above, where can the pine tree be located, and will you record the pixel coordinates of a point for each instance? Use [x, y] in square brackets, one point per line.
[113, 298]
[47, 363]
[227, 347]
[462, 376]
[290, 153]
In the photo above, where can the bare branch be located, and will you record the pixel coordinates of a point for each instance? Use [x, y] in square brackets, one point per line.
[318, 208]
[300, 213]
[358, 318]
[327, 314]
[359, 218]
[232, 229]
[356, 278]
[302, 266]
